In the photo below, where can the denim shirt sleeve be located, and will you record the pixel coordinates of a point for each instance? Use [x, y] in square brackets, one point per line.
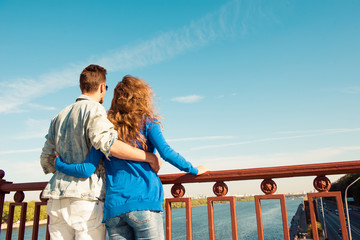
[166, 152]
[81, 170]
[48, 152]
[101, 131]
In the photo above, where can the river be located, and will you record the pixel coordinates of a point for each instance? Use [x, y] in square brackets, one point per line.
[246, 219]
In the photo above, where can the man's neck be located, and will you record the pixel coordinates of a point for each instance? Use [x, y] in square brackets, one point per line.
[93, 96]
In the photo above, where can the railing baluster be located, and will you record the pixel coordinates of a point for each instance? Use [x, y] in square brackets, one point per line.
[284, 217]
[178, 191]
[260, 228]
[340, 207]
[38, 205]
[187, 202]
[268, 186]
[35, 230]
[22, 221]
[2, 194]
[2, 200]
[211, 220]
[47, 229]
[11, 220]
[18, 197]
[323, 184]
[36, 222]
[232, 200]
[220, 189]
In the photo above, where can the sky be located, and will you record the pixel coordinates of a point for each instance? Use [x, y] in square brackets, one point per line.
[240, 84]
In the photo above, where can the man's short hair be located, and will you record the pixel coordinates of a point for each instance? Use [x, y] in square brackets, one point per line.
[91, 77]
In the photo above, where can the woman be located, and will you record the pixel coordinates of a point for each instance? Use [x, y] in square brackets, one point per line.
[134, 193]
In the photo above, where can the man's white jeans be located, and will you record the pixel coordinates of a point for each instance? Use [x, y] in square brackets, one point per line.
[72, 218]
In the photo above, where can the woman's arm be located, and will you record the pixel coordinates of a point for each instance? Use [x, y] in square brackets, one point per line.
[167, 153]
[124, 151]
[82, 170]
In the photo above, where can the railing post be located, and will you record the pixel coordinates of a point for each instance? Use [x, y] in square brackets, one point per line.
[2, 194]
[178, 191]
[323, 184]
[220, 189]
[38, 205]
[18, 198]
[268, 186]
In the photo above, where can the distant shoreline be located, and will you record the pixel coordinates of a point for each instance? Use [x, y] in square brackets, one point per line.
[27, 224]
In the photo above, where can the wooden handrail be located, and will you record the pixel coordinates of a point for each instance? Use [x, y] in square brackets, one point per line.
[317, 169]
[268, 172]
[29, 186]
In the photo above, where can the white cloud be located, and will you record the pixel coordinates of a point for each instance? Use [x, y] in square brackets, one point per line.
[200, 138]
[198, 33]
[32, 135]
[310, 133]
[41, 107]
[352, 90]
[25, 171]
[169, 44]
[323, 131]
[187, 99]
[320, 155]
[21, 91]
[34, 129]
[20, 151]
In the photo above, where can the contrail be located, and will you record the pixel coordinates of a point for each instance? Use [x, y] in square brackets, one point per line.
[222, 23]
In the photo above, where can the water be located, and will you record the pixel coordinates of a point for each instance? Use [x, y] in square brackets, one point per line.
[246, 219]
[28, 233]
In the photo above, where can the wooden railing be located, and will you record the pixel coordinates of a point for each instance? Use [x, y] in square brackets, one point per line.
[321, 183]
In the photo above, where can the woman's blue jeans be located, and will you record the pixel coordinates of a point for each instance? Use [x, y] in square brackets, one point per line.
[136, 225]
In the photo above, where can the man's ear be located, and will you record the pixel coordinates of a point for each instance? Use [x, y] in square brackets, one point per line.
[102, 88]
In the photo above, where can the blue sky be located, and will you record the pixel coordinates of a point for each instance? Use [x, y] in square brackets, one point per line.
[241, 84]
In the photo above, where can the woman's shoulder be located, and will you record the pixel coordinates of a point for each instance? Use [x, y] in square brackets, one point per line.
[150, 122]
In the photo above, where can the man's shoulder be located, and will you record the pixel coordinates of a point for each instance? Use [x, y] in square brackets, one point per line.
[77, 107]
[63, 112]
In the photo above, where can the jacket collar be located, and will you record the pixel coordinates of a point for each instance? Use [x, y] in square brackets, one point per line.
[84, 97]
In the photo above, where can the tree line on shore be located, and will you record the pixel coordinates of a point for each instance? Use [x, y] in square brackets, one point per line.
[354, 191]
[17, 212]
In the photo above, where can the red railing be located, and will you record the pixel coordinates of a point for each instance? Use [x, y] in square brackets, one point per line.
[220, 189]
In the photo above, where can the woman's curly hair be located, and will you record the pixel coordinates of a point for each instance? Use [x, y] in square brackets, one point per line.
[131, 106]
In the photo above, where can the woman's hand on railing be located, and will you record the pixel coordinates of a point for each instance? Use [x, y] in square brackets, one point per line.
[202, 169]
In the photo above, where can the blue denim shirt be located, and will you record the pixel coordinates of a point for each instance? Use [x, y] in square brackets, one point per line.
[72, 133]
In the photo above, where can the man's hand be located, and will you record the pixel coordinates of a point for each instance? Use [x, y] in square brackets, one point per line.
[202, 169]
[56, 155]
[156, 163]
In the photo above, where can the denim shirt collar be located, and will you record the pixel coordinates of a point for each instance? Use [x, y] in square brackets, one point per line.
[84, 97]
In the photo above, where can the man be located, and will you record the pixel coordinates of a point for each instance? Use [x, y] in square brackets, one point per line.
[74, 207]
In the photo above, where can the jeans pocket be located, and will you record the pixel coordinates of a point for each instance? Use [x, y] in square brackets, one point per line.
[112, 222]
[139, 216]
